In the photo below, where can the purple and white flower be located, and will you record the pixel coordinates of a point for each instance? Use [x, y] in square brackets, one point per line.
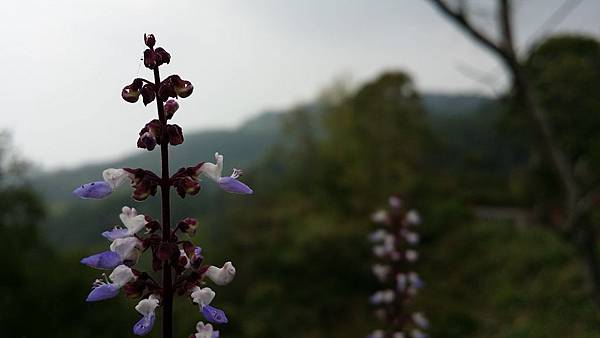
[228, 183]
[109, 288]
[146, 308]
[113, 178]
[131, 220]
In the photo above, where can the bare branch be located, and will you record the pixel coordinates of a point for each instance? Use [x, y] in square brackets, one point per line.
[463, 21]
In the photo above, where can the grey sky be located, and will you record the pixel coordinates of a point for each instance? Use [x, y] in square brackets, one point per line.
[65, 62]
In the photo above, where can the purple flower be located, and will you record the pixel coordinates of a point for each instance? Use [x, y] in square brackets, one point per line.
[146, 307]
[231, 184]
[93, 190]
[214, 315]
[144, 325]
[102, 292]
[106, 260]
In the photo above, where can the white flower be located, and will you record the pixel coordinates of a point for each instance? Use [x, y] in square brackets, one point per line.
[202, 296]
[380, 216]
[389, 242]
[411, 237]
[147, 306]
[132, 221]
[377, 334]
[121, 275]
[379, 250]
[412, 255]
[115, 177]
[378, 235]
[420, 320]
[381, 271]
[221, 276]
[416, 333]
[126, 248]
[395, 202]
[383, 297]
[204, 330]
[415, 280]
[398, 335]
[413, 217]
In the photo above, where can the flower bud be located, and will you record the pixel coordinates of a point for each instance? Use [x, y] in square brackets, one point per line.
[188, 225]
[148, 93]
[185, 186]
[149, 40]
[150, 135]
[166, 90]
[162, 56]
[134, 289]
[152, 226]
[175, 134]
[171, 107]
[131, 93]
[144, 183]
[146, 141]
[182, 88]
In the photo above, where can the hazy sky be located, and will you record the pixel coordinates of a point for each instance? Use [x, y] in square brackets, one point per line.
[65, 62]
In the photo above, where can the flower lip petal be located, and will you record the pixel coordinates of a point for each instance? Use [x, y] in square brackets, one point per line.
[93, 190]
[106, 260]
[144, 325]
[214, 315]
[232, 185]
[115, 233]
[102, 292]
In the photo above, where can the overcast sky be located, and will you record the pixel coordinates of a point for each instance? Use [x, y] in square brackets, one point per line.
[65, 62]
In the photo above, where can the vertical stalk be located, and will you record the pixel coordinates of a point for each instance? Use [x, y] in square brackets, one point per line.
[165, 185]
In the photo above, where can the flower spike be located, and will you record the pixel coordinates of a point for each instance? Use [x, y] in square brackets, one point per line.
[181, 261]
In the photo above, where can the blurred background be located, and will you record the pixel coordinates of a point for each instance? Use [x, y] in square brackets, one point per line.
[329, 107]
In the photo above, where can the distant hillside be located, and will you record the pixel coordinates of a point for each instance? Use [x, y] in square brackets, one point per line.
[242, 148]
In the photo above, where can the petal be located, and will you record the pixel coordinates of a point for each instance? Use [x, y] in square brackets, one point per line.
[125, 247]
[121, 275]
[115, 177]
[211, 171]
[144, 325]
[214, 315]
[115, 233]
[106, 260]
[147, 306]
[203, 296]
[102, 292]
[93, 190]
[232, 185]
[132, 220]
[221, 276]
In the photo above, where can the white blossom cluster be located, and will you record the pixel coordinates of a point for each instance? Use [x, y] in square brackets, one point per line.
[395, 244]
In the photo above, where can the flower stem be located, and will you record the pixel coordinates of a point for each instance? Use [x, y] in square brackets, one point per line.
[165, 185]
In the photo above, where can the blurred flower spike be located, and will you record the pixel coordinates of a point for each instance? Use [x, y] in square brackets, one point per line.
[394, 247]
[178, 261]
